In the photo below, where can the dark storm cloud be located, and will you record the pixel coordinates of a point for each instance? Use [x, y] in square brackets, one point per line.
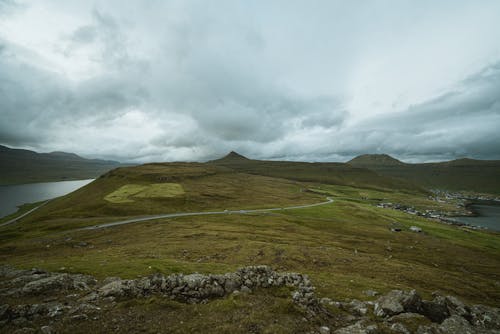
[180, 81]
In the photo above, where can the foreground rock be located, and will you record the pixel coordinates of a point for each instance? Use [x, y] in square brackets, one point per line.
[51, 298]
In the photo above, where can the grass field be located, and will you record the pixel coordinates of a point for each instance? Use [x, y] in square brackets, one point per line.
[127, 193]
[346, 247]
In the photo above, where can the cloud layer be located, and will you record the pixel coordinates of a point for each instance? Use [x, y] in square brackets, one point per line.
[179, 81]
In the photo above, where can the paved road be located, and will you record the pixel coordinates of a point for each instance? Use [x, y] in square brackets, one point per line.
[12, 221]
[185, 214]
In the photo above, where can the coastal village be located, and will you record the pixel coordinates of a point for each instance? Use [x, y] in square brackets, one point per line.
[461, 200]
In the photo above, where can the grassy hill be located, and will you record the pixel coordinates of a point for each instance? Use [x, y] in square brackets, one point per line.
[170, 187]
[346, 247]
[328, 173]
[24, 166]
[462, 174]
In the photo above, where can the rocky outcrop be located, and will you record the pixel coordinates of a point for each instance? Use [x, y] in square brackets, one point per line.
[396, 302]
[75, 297]
[198, 288]
[448, 314]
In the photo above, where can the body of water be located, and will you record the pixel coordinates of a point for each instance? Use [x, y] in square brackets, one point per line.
[12, 196]
[489, 216]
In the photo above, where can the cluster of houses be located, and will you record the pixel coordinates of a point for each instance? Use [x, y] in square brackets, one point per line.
[412, 211]
[441, 216]
[444, 196]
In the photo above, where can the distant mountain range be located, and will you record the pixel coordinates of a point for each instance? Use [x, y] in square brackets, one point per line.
[380, 171]
[369, 170]
[24, 166]
[321, 172]
[460, 174]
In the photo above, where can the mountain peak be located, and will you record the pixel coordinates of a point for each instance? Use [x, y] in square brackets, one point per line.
[375, 159]
[231, 157]
[234, 154]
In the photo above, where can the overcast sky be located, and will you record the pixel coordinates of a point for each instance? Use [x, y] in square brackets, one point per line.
[299, 80]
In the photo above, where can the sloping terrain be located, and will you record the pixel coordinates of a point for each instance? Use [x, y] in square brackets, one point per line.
[328, 173]
[161, 188]
[461, 174]
[24, 166]
[347, 248]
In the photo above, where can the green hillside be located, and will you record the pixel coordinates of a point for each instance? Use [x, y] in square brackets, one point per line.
[24, 166]
[346, 247]
[459, 175]
[328, 173]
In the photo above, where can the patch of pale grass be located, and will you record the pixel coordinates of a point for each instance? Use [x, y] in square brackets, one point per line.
[161, 190]
[126, 193]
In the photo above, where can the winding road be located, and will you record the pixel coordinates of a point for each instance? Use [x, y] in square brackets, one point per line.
[12, 221]
[186, 214]
[174, 215]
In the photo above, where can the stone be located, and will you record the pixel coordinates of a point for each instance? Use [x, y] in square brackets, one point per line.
[399, 328]
[370, 293]
[56, 310]
[356, 306]
[231, 283]
[428, 329]
[245, 289]
[47, 284]
[46, 330]
[57, 282]
[485, 317]
[358, 328]
[217, 291]
[456, 324]
[456, 307]
[396, 302]
[85, 308]
[409, 316]
[108, 280]
[115, 288]
[324, 330]
[436, 310]
[79, 317]
[193, 280]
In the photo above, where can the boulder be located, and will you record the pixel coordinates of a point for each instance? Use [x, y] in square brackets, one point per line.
[456, 307]
[396, 302]
[356, 306]
[58, 282]
[119, 288]
[194, 280]
[456, 324]
[436, 310]
[485, 317]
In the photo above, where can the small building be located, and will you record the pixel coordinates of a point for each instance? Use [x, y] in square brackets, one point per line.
[415, 229]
